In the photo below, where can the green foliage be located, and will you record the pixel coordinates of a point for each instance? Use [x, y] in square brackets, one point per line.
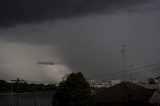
[25, 87]
[74, 91]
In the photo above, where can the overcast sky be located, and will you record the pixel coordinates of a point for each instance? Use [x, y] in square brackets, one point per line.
[78, 35]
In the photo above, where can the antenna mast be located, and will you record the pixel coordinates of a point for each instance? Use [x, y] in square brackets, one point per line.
[123, 62]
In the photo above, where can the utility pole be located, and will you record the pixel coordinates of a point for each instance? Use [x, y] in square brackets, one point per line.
[17, 81]
[123, 61]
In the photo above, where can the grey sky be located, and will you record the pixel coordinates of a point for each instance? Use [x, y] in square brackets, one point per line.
[86, 39]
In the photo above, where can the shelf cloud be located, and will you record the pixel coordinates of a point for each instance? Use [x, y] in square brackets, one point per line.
[15, 12]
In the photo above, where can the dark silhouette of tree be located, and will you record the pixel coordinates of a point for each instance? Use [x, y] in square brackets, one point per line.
[4, 86]
[74, 91]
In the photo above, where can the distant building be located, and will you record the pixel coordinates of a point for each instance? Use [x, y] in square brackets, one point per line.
[103, 84]
[126, 94]
[115, 82]
[153, 83]
[98, 84]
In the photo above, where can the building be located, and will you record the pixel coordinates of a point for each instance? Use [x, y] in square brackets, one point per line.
[126, 94]
[103, 84]
[115, 82]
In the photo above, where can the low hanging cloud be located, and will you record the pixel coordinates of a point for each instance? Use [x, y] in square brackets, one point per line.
[20, 60]
[14, 12]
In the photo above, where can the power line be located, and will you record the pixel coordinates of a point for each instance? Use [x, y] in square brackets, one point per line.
[138, 69]
[143, 67]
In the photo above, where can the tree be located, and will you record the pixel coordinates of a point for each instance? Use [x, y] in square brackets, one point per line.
[4, 86]
[74, 91]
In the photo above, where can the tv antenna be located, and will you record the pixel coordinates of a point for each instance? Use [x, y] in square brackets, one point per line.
[123, 61]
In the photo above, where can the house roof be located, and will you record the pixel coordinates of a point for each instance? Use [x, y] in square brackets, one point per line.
[155, 97]
[123, 92]
[157, 77]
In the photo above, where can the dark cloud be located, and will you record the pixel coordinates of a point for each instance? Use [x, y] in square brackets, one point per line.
[13, 12]
[91, 44]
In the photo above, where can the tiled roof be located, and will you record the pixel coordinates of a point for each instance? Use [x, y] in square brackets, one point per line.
[123, 92]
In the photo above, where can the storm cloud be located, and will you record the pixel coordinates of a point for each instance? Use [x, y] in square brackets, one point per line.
[14, 12]
[78, 35]
[20, 60]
